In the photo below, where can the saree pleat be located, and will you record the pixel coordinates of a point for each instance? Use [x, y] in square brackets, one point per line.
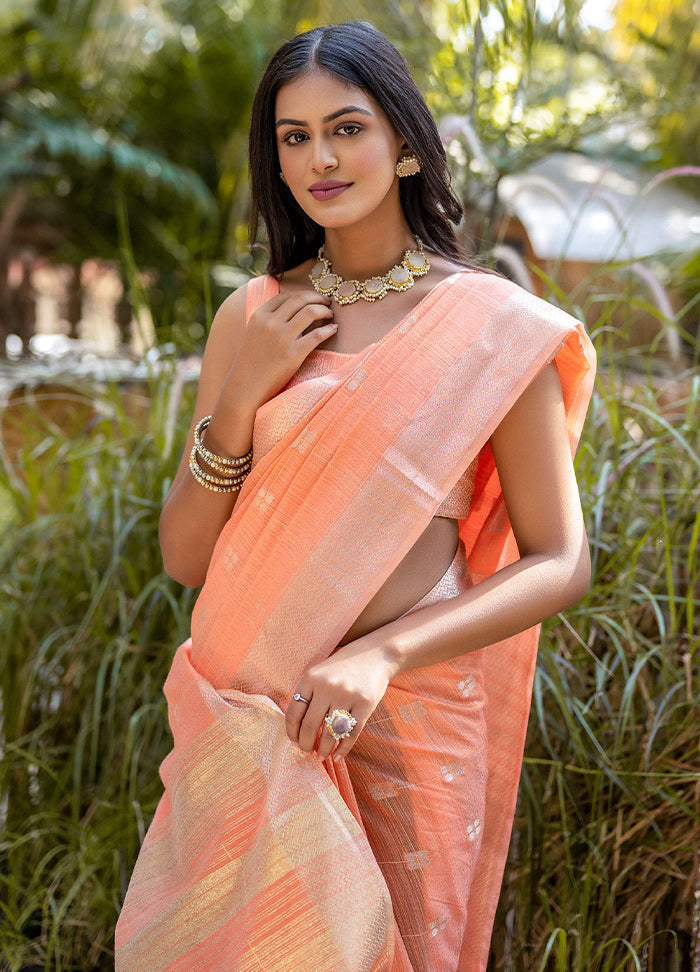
[260, 856]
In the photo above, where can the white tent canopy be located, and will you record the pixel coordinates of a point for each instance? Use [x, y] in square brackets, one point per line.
[578, 208]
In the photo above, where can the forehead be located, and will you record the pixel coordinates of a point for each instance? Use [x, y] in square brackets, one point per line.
[319, 93]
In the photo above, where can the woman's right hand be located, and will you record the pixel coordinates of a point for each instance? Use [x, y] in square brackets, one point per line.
[278, 337]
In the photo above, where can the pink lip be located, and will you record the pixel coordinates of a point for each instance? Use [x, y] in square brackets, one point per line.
[329, 189]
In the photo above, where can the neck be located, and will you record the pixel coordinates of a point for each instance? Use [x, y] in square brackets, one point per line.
[356, 257]
[359, 251]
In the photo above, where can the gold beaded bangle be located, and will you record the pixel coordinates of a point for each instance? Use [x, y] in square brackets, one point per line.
[231, 484]
[214, 489]
[228, 480]
[226, 470]
[216, 462]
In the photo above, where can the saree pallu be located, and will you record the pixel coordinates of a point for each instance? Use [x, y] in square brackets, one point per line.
[260, 856]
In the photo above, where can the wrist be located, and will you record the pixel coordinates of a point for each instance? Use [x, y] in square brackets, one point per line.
[230, 430]
[390, 654]
[242, 392]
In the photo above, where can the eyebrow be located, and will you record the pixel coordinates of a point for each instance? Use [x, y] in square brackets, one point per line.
[329, 118]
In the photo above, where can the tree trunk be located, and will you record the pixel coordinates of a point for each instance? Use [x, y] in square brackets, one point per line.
[8, 220]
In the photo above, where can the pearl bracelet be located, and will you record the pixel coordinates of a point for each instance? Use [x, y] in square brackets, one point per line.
[229, 484]
[233, 470]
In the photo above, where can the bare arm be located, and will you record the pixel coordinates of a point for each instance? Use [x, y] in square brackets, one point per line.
[242, 368]
[534, 464]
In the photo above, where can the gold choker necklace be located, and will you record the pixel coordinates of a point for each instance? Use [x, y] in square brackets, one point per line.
[414, 264]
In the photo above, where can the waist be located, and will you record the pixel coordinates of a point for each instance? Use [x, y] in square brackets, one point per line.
[416, 577]
[454, 581]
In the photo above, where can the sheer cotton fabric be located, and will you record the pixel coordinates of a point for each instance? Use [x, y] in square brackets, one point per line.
[260, 856]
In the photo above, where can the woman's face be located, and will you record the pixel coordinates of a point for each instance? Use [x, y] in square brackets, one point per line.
[337, 150]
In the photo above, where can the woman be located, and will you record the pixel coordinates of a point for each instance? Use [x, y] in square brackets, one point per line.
[350, 711]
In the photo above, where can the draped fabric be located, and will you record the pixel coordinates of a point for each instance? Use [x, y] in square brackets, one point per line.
[260, 856]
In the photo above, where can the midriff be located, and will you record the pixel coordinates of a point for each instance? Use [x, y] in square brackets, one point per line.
[418, 572]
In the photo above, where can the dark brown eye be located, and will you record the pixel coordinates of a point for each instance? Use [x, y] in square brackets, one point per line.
[349, 128]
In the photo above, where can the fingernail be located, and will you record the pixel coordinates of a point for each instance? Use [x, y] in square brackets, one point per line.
[337, 758]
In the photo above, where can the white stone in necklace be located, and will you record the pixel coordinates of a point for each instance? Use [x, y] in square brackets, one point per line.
[414, 263]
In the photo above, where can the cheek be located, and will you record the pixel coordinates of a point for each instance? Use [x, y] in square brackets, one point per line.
[377, 162]
[290, 162]
[378, 153]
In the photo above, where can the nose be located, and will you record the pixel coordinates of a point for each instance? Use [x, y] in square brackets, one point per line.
[323, 157]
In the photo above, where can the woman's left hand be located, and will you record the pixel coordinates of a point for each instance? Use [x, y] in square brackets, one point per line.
[354, 678]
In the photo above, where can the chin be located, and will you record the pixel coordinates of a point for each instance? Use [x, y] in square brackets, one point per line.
[337, 214]
[338, 220]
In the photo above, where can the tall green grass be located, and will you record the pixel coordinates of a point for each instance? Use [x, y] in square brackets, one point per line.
[603, 871]
[88, 624]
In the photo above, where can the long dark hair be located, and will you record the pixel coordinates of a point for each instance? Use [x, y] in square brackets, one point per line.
[360, 55]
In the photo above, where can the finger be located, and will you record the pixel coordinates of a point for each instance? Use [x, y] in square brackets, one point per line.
[296, 710]
[308, 317]
[316, 336]
[274, 303]
[310, 725]
[293, 304]
[345, 745]
[282, 307]
[326, 742]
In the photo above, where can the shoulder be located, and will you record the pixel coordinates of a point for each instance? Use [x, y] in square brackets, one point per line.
[462, 276]
[476, 299]
[235, 309]
[514, 318]
[226, 332]
[442, 266]
[229, 323]
[234, 305]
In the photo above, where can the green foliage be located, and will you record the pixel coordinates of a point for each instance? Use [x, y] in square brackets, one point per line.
[658, 60]
[528, 85]
[603, 861]
[40, 139]
[88, 625]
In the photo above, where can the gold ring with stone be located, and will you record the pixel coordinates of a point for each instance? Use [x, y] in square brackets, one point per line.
[340, 723]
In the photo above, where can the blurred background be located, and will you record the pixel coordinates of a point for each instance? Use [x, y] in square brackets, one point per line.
[573, 133]
[124, 136]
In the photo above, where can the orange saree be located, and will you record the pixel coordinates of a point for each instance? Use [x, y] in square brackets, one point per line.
[260, 856]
